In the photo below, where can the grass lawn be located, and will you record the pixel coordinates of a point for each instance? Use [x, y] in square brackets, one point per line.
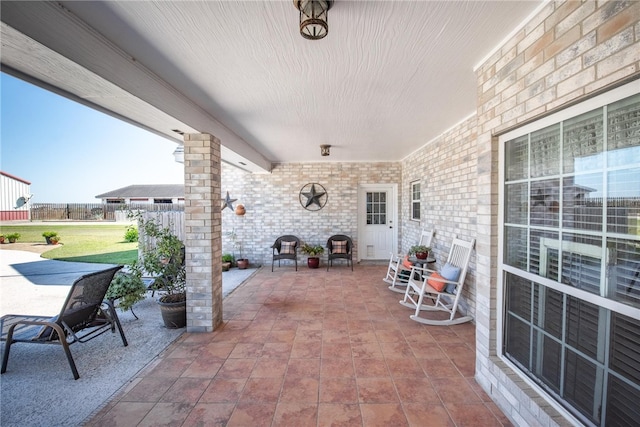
[80, 242]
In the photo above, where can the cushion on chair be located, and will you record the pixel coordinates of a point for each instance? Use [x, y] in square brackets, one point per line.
[452, 273]
[408, 264]
[339, 247]
[435, 284]
[287, 247]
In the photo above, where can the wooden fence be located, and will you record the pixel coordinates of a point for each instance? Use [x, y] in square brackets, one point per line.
[173, 220]
[94, 211]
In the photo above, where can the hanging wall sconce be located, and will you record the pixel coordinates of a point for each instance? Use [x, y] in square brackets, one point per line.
[324, 150]
[313, 18]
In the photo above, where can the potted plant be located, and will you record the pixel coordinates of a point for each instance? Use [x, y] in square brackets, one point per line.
[420, 251]
[165, 261]
[13, 237]
[241, 262]
[313, 251]
[54, 240]
[1, 238]
[48, 235]
[127, 287]
[227, 260]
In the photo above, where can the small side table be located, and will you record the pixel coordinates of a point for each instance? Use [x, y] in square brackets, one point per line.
[423, 263]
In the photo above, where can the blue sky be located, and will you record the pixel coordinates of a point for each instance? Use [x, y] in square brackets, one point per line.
[71, 153]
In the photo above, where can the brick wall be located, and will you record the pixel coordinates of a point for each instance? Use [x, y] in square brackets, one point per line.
[447, 170]
[569, 51]
[273, 207]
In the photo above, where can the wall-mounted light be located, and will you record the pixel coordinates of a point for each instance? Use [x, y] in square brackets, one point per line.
[324, 150]
[178, 154]
[313, 18]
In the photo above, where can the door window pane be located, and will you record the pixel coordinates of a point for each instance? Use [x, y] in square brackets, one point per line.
[376, 208]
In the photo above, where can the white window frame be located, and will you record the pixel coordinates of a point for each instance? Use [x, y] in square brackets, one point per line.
[415, 201]
[599, 101]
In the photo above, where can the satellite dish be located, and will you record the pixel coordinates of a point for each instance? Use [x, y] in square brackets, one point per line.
[22, 201]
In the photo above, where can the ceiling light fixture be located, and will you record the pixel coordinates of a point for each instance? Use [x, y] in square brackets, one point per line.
[313, 18]
[324, 150]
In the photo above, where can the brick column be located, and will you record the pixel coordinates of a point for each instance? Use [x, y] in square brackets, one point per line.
[203, 232]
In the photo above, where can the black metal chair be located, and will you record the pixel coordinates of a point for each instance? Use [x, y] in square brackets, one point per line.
[285, 247]
[84, 316]
[340, 246]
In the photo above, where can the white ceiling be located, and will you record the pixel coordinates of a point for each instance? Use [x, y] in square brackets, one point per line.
[389, 77]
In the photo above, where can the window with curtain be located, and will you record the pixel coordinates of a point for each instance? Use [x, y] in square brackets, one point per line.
[571, 263]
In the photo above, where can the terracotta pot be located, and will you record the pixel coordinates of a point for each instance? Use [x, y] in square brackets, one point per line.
[240, 210]
[313, 262]
[243, 263]
[422, 255]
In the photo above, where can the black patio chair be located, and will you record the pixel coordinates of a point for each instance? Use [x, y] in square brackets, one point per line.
[340, 246]
[285, 247]
[85, 315]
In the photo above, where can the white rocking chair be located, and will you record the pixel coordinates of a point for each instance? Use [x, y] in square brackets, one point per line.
[442, 289]
[397, 268]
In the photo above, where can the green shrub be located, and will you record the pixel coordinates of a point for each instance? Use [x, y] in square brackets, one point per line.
[312, 250]
[127, 287]
[49, 234]
[131, 235]
[227, 258]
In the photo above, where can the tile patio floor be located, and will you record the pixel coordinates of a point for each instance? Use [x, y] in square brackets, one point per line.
[311, 348]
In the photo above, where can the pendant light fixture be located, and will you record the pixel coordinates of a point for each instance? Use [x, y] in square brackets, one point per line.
[313, 18]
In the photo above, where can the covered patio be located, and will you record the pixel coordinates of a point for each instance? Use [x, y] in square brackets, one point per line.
[477, 119]
[312, 348]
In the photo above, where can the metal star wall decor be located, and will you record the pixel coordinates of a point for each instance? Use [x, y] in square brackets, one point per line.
[313, 196]
[228, 202]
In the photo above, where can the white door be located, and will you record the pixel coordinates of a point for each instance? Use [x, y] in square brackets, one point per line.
[377, 221]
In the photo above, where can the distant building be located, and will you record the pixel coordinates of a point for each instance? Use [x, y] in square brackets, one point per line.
[152, 194]
[14, 197]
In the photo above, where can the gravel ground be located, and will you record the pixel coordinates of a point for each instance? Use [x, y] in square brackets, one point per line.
[38, 388]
